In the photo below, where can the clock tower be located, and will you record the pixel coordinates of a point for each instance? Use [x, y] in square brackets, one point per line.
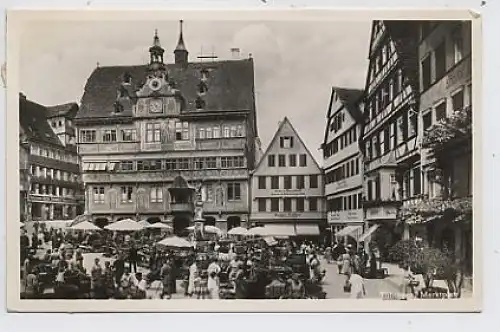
[156, 63]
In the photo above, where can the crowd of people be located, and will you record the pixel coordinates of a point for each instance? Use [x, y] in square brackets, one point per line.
[248, 269]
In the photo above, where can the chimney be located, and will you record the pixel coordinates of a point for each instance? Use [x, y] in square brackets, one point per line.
[235, 53]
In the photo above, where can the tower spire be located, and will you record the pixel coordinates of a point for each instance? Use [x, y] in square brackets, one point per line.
[180, 52]
[156, 52]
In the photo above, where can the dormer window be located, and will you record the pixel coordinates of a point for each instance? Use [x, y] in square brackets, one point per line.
[202, 88]
[200, 103]
[286, 142]
[118, 108]
[204, 74]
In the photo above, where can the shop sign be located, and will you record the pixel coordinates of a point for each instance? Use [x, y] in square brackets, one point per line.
[284, 192]
[287, 214]
[343, 216]
[385, 212]
[39, 198]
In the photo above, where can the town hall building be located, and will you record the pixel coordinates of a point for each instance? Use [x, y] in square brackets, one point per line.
[157, 139]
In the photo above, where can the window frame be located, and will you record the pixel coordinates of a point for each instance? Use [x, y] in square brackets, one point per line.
[271, 160]
[262, 181]
[303, 160]
[233, 191]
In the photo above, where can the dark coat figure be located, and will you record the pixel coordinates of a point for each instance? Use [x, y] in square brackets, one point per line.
[166, 274]
[133, 256]
[373, 266]
[119, 268]
[25, 243]
[34, 241]
[108, 280]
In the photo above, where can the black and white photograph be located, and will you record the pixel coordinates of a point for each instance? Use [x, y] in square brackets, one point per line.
[200, 157]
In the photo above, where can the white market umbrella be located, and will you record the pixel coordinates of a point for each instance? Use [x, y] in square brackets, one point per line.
[175, 242]
[144, 223]
[85, 226]
[159, 225]
[239, 231]
[257, 231]
[208, 229]
[125, 225]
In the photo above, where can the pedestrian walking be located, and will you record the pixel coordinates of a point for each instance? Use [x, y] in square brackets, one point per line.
[79, 258]
[192, 275]
[357, 286]
[213, 279]
[166, 275]
[96, 280]
[133, 256]
[108, 280]
[119, 268]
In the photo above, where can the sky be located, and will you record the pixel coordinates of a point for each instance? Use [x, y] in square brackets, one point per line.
[296, 63]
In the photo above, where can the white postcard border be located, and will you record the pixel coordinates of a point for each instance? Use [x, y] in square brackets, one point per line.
[15, 21]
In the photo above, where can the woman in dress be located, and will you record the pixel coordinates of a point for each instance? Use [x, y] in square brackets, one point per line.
[165, 274]
[192, 275]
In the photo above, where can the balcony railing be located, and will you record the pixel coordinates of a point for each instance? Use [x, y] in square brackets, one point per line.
[119, 147]
[182, 207]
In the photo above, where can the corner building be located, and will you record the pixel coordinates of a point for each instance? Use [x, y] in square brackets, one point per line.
[445, 66]
[142, 127]
[51, 187]
[392, 170]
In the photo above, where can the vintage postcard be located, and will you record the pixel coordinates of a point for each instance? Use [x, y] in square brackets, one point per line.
[291, 160]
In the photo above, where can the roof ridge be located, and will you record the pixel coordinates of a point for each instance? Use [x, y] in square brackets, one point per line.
[275, 136]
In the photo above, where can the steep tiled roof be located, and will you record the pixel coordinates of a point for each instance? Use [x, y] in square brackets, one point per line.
[405, 37]
[230, 86]
[351, 99]
[69, 109]
[33, 120]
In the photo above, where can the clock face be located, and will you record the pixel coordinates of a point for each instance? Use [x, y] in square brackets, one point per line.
[155, 106]
[155, 84]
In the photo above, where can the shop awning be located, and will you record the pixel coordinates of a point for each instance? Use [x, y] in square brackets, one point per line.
[100, 167]
[368, 233]
[279, 230]
[353, 231]
[305, 230]
[94, 166]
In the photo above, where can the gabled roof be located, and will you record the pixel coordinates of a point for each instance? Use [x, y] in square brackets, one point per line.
[230, 86]
[275, 138]
[350, 99]
[68, 109]
[404, 34]
[33, 120]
